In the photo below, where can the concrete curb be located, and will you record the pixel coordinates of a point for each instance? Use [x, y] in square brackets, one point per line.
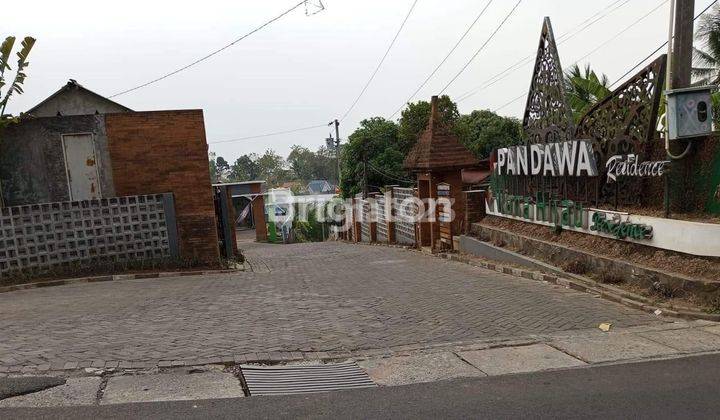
[584, 284]
[115, 277]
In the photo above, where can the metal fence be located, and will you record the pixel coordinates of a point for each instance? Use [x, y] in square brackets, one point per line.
[116, 229]
[405, 215]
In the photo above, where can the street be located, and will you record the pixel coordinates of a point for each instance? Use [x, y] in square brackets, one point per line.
[669, 389]
[333, 298]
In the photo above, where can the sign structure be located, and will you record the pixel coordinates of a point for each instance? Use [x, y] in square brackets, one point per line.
[570, 171]
[675, 235]
[590, 159]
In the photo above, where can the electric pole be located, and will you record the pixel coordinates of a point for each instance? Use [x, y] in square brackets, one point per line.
[337, 149]
[366, 191]
[682, 50]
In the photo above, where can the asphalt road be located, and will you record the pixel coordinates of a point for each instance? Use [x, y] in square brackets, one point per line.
[679, 388]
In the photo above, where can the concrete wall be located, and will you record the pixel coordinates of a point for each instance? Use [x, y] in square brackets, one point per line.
[76, 101]
[42, 236]
[32, 165]
[166, 151]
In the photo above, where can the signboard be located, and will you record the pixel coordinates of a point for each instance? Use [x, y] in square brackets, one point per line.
[693, 238]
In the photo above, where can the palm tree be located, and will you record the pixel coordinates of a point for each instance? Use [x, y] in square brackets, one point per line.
[707, 58]
[584, 88]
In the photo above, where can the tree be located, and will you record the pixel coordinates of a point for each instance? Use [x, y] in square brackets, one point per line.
[302, 163]
[271, 168]
[484, 131]
[245, 168]
[584, 88]
[707, 58]
[213, 167]
[223, 168]
[15, 86]
[414, 120]
[377, 139]
[307, 165]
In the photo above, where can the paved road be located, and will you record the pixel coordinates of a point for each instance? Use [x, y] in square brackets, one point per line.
[301, 298]
[671, 389]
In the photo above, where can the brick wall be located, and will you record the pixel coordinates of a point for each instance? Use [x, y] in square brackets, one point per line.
[474, 208]
[166, 151]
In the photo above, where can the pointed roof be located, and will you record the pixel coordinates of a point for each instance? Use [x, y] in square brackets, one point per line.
[438, 148]
[55, 103]
[547, 114]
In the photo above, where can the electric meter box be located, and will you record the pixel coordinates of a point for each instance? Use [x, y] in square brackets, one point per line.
[689, 112]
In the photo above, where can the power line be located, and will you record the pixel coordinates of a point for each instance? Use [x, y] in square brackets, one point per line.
[637, 21]
[457, 44]
[663, 45]
[219, 50]
[278, 133]
[600, 15]
[482, 47]
[386, 175]
[643, 17]
[377, 69]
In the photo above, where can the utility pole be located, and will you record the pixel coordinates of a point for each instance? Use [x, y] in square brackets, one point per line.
[337, 149]
[366, 191]
[679, 75]
[682, 51]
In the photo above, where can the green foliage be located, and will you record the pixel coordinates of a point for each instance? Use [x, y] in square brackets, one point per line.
[484, 131]
[584, 88]
[707, 57]
[307, 165]
[310, 230]
[376, 138]
[245, 168]
[213, 167]
[16, 85]
[388, 143]
[414, 120]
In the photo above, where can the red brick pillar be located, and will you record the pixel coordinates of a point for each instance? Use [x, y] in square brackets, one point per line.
[474, 208]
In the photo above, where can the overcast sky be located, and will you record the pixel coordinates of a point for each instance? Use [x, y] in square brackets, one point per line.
[303, 71]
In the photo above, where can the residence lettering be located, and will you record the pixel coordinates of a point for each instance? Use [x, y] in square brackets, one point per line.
[630, 165]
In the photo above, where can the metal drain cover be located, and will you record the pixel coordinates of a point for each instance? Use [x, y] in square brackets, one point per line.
[301, 379]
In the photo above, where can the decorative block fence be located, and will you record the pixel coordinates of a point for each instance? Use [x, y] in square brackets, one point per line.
[41, 236]
[386, 218]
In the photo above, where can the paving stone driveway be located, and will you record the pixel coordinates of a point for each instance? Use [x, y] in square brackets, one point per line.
[303, 298]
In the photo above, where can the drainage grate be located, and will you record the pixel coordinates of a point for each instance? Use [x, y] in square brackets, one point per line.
[301, 379]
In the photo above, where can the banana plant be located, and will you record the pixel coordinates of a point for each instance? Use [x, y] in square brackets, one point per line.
[16, 85]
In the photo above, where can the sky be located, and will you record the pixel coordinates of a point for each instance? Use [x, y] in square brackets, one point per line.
[305, 71]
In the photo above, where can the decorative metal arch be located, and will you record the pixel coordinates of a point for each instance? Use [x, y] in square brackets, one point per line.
[625, 122]
[548, 118]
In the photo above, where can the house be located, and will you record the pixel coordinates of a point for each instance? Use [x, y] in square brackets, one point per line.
[77, 146]
[320, 187]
